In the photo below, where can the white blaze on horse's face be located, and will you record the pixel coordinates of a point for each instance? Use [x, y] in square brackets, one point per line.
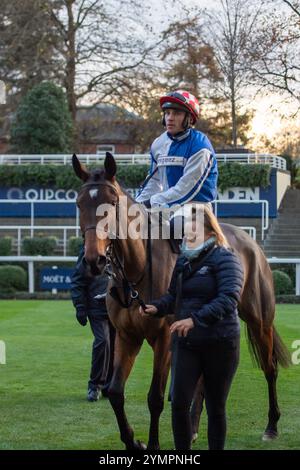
[93, 193]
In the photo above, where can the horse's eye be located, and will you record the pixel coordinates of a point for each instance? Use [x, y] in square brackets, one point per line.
[114, 203]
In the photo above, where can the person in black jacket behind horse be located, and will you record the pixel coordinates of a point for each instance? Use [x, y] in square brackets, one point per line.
[88, 295]
[205, 288]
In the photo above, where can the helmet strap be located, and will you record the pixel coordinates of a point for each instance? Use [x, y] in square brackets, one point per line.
[187, 122]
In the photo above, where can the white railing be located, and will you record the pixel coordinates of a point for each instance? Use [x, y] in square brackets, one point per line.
[30, 260]
[264, 210]
[20, 229]
[253, 158]
[124, 159]
[41, 201]
[251, 230]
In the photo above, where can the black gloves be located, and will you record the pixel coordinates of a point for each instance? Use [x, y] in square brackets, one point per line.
[81, 317]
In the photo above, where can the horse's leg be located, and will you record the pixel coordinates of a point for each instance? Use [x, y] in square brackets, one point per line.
[125, 354]
[262, 340]
[271, 373]
[197, 407]
[156, 393]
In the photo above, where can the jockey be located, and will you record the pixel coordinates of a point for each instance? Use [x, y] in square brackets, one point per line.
[183, 163]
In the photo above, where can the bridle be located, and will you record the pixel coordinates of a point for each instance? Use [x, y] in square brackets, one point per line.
[98, 183]
[113, 260]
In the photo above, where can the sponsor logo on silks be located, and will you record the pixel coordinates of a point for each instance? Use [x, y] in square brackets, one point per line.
[2, 353]
[171, 161]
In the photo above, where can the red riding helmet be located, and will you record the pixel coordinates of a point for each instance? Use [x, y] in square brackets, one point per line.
[183, 100]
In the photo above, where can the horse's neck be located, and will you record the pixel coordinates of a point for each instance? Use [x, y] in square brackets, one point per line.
[134, 254]
[133, 250]
[163, 262]
[134, 257]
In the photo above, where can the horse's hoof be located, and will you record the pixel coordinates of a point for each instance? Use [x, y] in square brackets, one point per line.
[194, 437]
[269, 435]
[139, 445]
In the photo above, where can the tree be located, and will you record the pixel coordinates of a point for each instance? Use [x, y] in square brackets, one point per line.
[43, 123]
[29, 46]
[232, 32]
[277, 49]
[189, 61]
[102, 45]
[217, 126]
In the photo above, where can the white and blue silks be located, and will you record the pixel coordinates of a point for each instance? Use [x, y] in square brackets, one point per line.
[183, 170]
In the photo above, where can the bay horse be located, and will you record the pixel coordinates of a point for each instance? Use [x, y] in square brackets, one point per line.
[130, 270]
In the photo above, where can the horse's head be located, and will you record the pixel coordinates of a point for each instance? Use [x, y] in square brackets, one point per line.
[99, 190]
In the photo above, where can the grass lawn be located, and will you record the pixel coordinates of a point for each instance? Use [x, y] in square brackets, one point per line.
[43, 387]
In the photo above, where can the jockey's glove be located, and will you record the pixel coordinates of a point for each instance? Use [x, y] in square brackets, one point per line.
[81, 317]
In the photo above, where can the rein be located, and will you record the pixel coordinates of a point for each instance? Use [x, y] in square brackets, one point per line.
[128, 286]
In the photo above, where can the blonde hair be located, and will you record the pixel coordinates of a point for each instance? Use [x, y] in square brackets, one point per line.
[212, 225]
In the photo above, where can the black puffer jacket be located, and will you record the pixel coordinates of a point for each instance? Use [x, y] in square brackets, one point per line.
[210, 296]
[84, 288]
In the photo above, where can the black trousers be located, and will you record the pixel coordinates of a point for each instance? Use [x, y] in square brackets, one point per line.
[102, 352]
[217, 361]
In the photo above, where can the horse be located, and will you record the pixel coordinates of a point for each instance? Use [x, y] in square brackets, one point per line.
[137, 278]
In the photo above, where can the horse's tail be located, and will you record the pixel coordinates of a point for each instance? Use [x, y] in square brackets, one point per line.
[280, 352]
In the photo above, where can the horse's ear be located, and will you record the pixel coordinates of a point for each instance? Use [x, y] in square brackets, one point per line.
[80, 169]
[110, 166]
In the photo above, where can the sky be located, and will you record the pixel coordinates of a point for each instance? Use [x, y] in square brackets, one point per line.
[277, 120]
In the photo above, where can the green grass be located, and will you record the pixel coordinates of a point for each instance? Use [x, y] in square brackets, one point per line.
[43, 387]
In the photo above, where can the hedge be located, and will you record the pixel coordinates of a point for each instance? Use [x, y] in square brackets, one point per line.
[247, 176]
[74, 246]
[288, 299]
[5, 246]
[39, 246]
[289, 269]
[12, 278]
[282, 283]
[131, 176]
